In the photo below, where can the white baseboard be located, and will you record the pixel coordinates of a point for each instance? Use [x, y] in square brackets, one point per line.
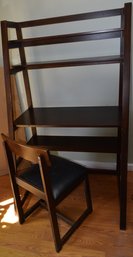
[130, 166]
[102, 165]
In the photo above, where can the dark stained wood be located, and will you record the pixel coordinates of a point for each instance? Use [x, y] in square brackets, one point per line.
[73, 17]
[68, 63]
[66, 38]
[25, 74]
[70, 117]
[107, 116]
[76, 143]
[126, 48]
[67, 18]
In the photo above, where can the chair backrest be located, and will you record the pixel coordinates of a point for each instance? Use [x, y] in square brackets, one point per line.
[29, 153]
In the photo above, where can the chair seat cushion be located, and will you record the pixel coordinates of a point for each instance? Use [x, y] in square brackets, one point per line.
[64, 175]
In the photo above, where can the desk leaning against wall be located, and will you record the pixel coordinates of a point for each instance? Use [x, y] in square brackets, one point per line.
[75, 117]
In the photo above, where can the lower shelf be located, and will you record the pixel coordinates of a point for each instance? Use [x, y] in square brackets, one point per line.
[77, 144]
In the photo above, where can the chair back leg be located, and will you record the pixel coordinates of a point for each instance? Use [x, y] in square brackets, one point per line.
[88, 194]
[18, 202]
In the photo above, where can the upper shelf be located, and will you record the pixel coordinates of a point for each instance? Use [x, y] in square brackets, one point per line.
[104, 116]
[66, 38]
[66, 18]
[68, 63]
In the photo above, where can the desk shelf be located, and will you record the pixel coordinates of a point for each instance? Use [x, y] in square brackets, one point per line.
[70, 117]
[76, 143]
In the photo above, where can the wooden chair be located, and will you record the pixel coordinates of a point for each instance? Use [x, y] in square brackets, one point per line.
[50, 178]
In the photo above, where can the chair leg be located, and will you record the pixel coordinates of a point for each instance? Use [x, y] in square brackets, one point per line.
[59, 242]
[87, 211]
[55, 227]
[88, 194]
[18, 204]
[26, 194]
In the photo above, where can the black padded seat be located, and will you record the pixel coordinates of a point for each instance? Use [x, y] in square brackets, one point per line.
[63, 174]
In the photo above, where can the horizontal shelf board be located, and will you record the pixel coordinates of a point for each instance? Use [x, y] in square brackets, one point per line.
[66, 38]
[75, 143]
[103, 116]
[69, 62]
[66, 18]
[70, 18]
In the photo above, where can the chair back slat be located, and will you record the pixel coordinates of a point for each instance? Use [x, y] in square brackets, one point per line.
[26, 152]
